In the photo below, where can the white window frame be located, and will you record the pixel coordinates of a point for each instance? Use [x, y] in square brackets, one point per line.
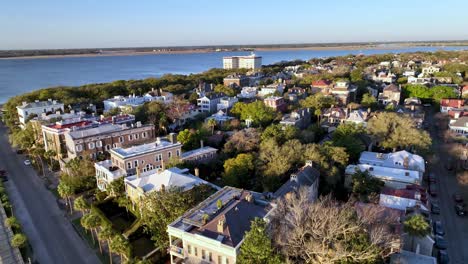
[79, 148]
[91, 145]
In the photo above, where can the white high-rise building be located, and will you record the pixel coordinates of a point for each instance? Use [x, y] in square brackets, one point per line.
[251, 61]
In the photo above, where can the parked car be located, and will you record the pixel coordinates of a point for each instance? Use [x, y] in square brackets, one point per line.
[440, 242]
[442, 257]
[460, 209]
[457, 198]
[433, 190]
[438, 229]
[448, 164]
[435, 208]
[432, 178]
[27, 162]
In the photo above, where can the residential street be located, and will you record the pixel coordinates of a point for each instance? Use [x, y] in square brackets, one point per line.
[456, 227]
[51, 235]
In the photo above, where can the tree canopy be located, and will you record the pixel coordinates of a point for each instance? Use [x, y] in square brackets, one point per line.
[258, 112]
[257, 247]
[238, 170]
[160, 208]
[327, 232]
[394, 131]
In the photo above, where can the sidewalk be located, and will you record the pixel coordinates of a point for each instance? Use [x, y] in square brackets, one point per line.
[8, 254]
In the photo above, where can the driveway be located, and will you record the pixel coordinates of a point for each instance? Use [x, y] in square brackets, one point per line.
[456, 227]
[51, 235]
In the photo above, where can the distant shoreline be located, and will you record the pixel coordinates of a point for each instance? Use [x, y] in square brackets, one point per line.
[206, 50]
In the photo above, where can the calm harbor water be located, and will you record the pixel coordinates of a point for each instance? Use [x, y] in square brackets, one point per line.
[18, 76]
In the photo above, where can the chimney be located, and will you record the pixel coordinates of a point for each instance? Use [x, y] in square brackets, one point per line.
[138, 172]
[50, 100]
[158, 140]
[201, 144]
[249, 198]
[293, 177]
[138, 124]
[57, 112]
[221, 225]
[25, 103]
[37, 101]
[309, 163]
[163, 167]
[163, 188]
[173, 138]
[412, 107]
[456, 115]
[113, 119]
[197, 171]
[406, 163]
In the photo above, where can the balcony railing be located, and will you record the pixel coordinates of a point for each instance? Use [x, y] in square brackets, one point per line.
[177, 251]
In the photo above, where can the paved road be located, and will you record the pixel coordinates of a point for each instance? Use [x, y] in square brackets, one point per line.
[456, 227]
[51, 235]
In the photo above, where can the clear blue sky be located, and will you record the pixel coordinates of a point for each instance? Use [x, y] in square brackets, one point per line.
[31, 24]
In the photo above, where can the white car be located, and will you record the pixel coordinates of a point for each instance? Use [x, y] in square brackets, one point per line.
[27, 162]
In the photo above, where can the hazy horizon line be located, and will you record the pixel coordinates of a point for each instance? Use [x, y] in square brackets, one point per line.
[255, 45]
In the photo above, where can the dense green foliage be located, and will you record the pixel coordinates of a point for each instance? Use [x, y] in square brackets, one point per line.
[160, 208]
[393, 131]
[364, 185]
[432, 94]
[258, 112]
[416, 225]
[238, 170]
[257, 246]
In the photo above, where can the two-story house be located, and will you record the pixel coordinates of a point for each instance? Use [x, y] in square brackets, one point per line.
[99, 139]
[213, 231]
[27, 110]
[300, 118]
[144, 158]
[276, 103]
[208, 103]
[391, 95]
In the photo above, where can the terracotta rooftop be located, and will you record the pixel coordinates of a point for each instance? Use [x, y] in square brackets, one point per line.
[321, 83]
[403, 193]
[456, 103]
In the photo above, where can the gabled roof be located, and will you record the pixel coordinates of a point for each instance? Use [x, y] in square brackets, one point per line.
[392, 88]
[455, 103]
[393, 160]
[173, 177]
[403, 193]
[306, 176]
[238, 218]
[321, 83]
[461, 122]
[39, 104]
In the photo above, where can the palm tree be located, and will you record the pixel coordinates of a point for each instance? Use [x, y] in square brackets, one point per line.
[212, 123]
[38, 153]
[85, 223]
[94, 222]
[50, 154]
[121, 246]
[107, 234]
[81, 205]
[66, 192]
[318, 113]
